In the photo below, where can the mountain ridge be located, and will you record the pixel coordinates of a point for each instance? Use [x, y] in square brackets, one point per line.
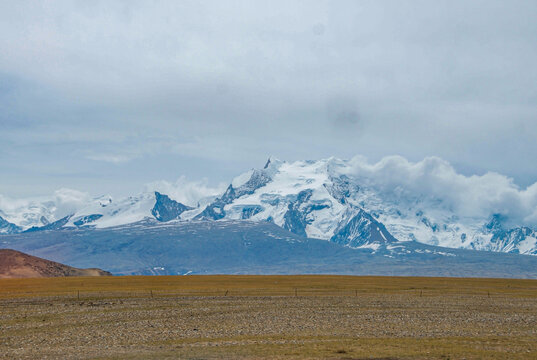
[321, 199]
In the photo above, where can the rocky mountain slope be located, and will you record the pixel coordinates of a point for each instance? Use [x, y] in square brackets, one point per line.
[15, 264]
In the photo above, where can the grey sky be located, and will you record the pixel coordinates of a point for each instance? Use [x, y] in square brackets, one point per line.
[106, 96]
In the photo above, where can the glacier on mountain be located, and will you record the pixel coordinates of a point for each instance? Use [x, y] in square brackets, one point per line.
[349, 202]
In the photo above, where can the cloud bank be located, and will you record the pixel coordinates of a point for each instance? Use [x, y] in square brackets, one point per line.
[107, 96]
[191, 193]
[436, 183]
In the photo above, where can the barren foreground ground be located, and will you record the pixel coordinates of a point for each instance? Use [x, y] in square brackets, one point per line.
[333, 317]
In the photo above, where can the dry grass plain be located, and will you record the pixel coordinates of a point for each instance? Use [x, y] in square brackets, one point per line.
[327, 317]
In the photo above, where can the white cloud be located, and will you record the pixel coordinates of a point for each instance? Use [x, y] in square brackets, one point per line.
[68, 201]
[187, 192]
[435, 181]
[114, 159]
[27, 212]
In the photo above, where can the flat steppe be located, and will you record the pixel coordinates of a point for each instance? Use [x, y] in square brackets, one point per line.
[328, 317]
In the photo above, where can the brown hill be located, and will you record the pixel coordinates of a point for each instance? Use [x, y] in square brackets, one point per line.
[15, 264]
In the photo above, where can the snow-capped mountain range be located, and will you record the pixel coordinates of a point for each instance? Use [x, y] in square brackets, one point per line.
[348, 202]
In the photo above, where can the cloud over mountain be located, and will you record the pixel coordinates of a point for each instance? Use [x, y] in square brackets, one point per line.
[436, 181]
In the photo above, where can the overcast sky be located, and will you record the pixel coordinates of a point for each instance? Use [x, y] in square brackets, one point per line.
[107, 96]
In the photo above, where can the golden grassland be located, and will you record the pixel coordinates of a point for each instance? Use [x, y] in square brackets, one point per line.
[298, 317]
[264, 285]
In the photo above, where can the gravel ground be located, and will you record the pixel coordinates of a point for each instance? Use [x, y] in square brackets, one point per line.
[368, 326]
